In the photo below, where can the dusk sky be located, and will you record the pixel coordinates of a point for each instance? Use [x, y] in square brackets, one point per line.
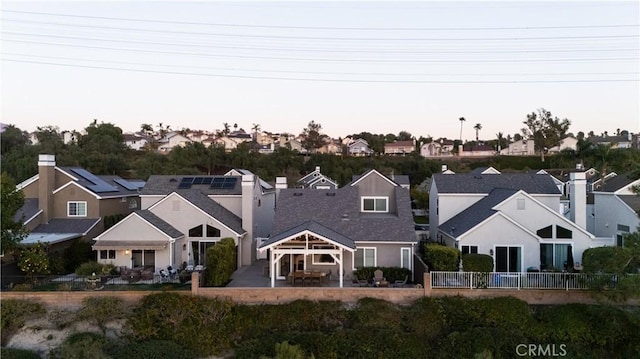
[380, 67]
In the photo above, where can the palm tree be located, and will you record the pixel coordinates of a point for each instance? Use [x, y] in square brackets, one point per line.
[255, 128]
[500, 137]
[461, 122]
[477, 127]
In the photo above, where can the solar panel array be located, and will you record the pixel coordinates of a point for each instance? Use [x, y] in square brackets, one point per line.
[212, 182]
[99, 185]
[126, 184]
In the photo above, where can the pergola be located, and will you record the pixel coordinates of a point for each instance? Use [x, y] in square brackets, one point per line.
[309, 238]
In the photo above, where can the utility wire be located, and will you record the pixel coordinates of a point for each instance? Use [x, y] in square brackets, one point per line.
[325, 80]
[322, 27]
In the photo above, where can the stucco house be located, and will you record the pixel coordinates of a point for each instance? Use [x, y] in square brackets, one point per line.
[400, 148]
[182, 216]
[440, 148]
[519, 148]
[616, 207]
[366, 223]
[171, 140]
[64, 203]
[359, 147]
[316, 180]
[135, 141]
[514, 217]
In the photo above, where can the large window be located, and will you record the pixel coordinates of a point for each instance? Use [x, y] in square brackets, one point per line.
[323, 258]
[196, 231]
[143, 258]
[375, 204]
[77, 209]
[364, 257]
[108, 254]
[405, 258]
[508, 259]
[212, 232]
[555, 256]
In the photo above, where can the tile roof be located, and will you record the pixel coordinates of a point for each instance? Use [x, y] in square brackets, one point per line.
[213, 208]
[166, 184]
[159, 223]
[470, 183]
[316, 228]
[67, 225]
[476, 213]
[29, 209]
[339, 210]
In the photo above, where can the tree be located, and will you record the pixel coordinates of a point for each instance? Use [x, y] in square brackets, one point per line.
[502, 142]
[49, 139]
[34, 260]
[11, 201]
[226, 129]
[103, 149]
[461, 122]
[255, 128]
[477, 127]
[313, 139]
[147, 128]
[404, 136]
[545, 130]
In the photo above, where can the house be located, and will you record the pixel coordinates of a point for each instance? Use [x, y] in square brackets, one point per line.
[616, 207]
[519, 148]
[475, 150]
[64, 203]
[400, 147]
[366, 223]
[567, 143]
[229, 144]
[441, 148]
[316, 180]
[614, 141]
[359, 147]
[135, 141]
[171, 140]
[331, 147]
[182, 216]
[514, 217]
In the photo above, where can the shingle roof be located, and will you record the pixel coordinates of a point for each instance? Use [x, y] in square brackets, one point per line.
[632, 201]
[213, 208]
[165, 184]
[615, 183]
[67, 225]
[159, 223]
[339, 210]
[314, 227]
[470, 183]
[476, 213]
[28, 210]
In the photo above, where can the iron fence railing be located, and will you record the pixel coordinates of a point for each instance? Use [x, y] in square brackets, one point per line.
[71, 282]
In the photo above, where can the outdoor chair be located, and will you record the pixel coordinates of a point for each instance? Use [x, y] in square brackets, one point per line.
[164, 275]
[377, 276]
[401, 283]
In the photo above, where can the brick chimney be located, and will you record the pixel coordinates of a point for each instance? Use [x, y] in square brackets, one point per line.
[46, 185]
[578, 198]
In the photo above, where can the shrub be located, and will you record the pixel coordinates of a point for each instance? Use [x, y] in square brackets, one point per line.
[12, 353]
[477, 262]
[81, 346]
[285, 350]
[79, 252]
[376, 313]
[605, 259]
[390, 273]
[152, 349]
[221, 263]
[101, 310]
[14, 313]
[88, 268]
[441, 258]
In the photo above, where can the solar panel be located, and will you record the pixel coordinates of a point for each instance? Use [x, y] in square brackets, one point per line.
[224, 182]
[99, 185]
[126, 184]
[184, 185]
[198, 180]
[229, 183]
[207, 180]
[187, 180]
[217, 182]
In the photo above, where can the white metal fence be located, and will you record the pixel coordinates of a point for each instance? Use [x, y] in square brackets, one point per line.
[521, 280]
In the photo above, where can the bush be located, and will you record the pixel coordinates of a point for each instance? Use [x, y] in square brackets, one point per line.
[221, 263]
[152, 349]
[101, 310]
[605, 259]
[477, 262]
[390, 273]
[441, 258]
[88, 268]
[79, 252]
[81, 346]
[14, 313]
[11, 353]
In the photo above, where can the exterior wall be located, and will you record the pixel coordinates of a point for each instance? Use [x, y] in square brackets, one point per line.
[31, 191]
[551, 201]
[520, 148]
[374, 185]
[231, 203]
[264, 214]
[111, 206]
[74, 193]
[148, 201]
[610, 211]
[452, 204]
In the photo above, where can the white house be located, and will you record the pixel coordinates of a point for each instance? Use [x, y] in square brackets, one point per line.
[172, 140]
[615, 207]
[316, 180]
[519, 148]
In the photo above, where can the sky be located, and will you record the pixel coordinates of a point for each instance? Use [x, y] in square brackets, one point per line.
[380, 67]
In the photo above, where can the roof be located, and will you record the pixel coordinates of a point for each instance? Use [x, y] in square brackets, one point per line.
[356, 178]
[339, 210]
[632, 201]
[50, 238]
[473, 183]
[29, 209]
[472, 148]
[212, 208]
[103, 186]
[408, 143]
[265, 186]
[616, 183]
[78, 226]
[159, 223]
[316, 228]
[476, 213]
[400, 179]
[166, 184]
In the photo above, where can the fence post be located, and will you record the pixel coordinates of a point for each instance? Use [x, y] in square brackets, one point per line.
[427, 284]
[195, 282]
[519, 278]
[471, 280]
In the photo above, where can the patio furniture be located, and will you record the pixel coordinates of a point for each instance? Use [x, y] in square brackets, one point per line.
[359, 282]
[401, 283]
[377, 277]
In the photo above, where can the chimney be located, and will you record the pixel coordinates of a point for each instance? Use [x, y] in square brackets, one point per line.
[281, 183]
[248, 204]
[443, 168]
[318, 169]
[578, 199]
[46, 185]
[460, 150]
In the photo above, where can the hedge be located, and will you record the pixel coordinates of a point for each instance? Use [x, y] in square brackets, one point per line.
[477, 262]
[221, 263]
[605, 259]
[441, 258]
[391, 274]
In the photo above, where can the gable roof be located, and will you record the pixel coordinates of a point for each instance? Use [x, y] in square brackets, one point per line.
[616, 183]
[407, 143]
[159, 223]
[476, 213]
[102, 186]
[28, 210]
[632, 201]
[357, 178]
[166, 184]
[314, 227]
[473, 183]
[339, 210]
[265, 186]
[212, 208]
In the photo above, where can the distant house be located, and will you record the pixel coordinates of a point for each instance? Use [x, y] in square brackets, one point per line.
[229, 144]
[567, 143]
[400, 148]
[364, 224]
[331, 147]
[172, 140]
[316, 180]
[64, 203]
[359, 147]
[519, 148]
[441, 148]
[475, 150]
[614, 141]
[135, 141]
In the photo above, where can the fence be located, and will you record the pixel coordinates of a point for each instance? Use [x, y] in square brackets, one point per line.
[72, 282]
[521, 280]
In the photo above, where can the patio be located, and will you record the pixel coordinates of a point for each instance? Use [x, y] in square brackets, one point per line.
[255, 276]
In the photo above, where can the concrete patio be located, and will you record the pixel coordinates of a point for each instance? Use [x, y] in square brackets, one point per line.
[254, 276]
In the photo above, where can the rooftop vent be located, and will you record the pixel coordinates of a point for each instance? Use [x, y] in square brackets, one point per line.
[173, 180]
[331, 194]
[297, 194]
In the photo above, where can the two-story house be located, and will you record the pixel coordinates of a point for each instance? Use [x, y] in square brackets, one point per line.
[64, 203]
[364, 224]
[440, 148]
[172, 140]
[519, 148]
[400, 148]
[359, 147]
[316, 180]
[182, 216]
[135, 141]
[514, 217]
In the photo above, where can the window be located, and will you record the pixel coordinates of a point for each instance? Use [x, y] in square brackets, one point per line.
[469, 249]
[520, 203]
[196, 231]
[622, 231]
[143, 258]
[546, 232]
[508, 259]
[562, 232]
[212, 231]
[77, 209]
[123, 199]
[555, 255]
[364, 257]
[108, 254]
[405, 258]
[133, 204]
[375, 204]
[323, 258]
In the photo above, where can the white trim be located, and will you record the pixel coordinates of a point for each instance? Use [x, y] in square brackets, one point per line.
[374, 198]
[309, 174]
[26, 182]
[383, 242]
[79, 186]
[92, 227]
[498, 213]
[32, 217]
[402, 249]
[375, 257]
[379, 174]
[86, 209]
[317, 251]
[99, 237]
[495, 255]
[67, 173]
[305, 232]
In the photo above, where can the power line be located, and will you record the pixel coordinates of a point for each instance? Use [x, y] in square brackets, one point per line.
[333, 38]
[322, 27]
[448, 61]
[326, 80]
[315, 50]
